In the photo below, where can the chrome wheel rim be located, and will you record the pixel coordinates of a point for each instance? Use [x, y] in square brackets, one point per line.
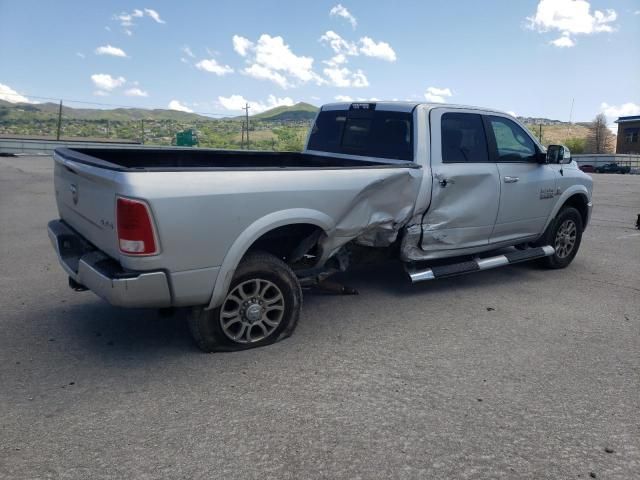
[252, 311]
[566, 238]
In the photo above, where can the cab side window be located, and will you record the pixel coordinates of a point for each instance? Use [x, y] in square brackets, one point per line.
[512, 143]
[463, 138]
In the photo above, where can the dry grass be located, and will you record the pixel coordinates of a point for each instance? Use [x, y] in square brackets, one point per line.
[559, 134]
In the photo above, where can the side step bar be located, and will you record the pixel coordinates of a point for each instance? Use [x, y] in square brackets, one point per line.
[478, 264]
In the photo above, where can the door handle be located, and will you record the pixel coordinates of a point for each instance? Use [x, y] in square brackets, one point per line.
[511, 179]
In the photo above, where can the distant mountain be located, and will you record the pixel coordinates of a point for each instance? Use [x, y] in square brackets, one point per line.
[48, 111]
[539, 121]
[299, 111]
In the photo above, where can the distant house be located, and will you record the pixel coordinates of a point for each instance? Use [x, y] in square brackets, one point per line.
[628, 133]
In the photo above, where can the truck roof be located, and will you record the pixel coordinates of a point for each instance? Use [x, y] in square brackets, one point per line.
[400, 106]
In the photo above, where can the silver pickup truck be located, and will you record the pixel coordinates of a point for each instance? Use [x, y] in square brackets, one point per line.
[235, 234]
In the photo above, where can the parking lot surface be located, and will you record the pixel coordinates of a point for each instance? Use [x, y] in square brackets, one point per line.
[518, 372]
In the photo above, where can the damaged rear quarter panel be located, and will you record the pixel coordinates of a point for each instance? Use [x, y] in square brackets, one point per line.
[378, 211]
[368, 204]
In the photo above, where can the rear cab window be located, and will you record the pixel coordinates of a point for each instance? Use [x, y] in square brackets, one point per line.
[463, 138]
[363, 130]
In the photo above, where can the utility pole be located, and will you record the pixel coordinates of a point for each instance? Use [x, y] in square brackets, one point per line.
[59, 121]
[540, 135]
[246, 108]
[242, 130]
[570, 118]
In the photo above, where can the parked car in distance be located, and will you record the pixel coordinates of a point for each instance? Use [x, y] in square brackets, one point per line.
[234, 235]
[586, 168]
[613, 168]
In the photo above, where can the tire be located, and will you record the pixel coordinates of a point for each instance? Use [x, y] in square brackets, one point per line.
[261, 307]
[564, 233]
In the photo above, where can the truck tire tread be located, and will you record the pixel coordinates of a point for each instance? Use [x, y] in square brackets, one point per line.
[204, 324]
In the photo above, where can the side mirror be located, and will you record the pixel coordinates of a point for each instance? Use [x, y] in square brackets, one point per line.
[558, 154]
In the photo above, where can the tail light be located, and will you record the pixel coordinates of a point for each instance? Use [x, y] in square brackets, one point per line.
[136, 235]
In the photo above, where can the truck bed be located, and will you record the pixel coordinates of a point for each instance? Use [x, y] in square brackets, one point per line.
[168, 159]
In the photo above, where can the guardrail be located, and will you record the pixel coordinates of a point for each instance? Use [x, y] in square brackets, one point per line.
[596, 160]
[34, 147]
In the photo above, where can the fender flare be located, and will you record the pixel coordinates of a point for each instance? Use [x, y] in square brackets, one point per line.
[252, 233]
[568, 193]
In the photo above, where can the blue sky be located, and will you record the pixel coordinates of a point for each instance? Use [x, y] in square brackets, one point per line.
[529, 57]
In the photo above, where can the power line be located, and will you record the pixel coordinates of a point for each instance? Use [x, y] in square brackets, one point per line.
[84, 102]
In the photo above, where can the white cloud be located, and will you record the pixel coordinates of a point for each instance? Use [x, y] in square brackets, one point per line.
[110, 50]
[273, 53]
[381, 50]
[437, 95]
[272, 59]
[8, 94]
[101, 93]
[153, 14]
[187, 51]
[80, 54]
[126, 18]
[136, 92]
[339, 44]
[263, 73]
[571, 17]
[237, 103]
[347, 98]
[212, 66]
[242, 45]
[612, 112]
[343, 77]
[340, 11]
[106, 82]
[337, 73]
[176, 105]
[336, 60]
[564, 41]
[367, 46]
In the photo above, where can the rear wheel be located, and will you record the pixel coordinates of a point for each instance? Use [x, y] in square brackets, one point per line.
[262, 307]
[564, 234]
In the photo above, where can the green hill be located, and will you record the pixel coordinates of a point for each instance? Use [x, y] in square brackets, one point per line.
[49, 111]
[299, 111]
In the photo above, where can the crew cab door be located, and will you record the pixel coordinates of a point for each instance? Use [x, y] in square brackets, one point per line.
[466, 189]
[527, 187]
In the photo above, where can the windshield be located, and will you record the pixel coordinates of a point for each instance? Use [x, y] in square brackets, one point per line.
[367, 132]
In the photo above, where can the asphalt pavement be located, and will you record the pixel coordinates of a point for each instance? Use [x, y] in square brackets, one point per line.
[518, 372]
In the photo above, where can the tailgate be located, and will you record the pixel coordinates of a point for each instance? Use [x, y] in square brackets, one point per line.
[86, 197]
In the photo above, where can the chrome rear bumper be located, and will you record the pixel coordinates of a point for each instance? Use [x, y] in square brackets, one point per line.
[103, 275]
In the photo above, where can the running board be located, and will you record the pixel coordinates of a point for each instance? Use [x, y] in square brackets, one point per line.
[479, 264]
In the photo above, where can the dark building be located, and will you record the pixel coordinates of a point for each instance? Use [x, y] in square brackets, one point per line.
[628, 133]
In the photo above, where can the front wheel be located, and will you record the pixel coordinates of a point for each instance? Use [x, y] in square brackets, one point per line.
[564, 234]
[262, 307]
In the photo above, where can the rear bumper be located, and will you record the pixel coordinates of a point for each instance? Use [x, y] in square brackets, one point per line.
[103, 275]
